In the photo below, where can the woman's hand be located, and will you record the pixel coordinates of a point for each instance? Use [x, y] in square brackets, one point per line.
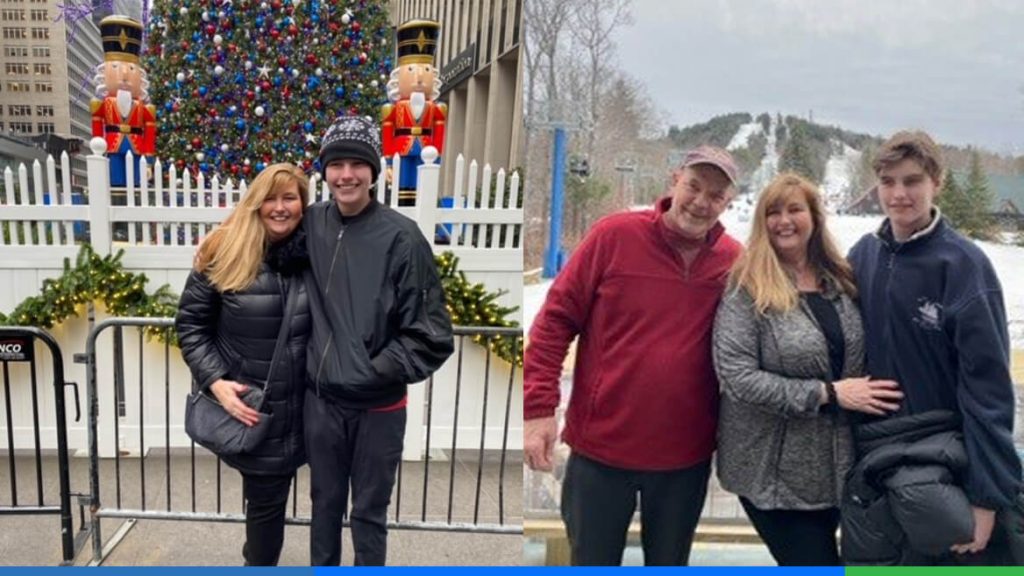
[875, 397]
[228, 393]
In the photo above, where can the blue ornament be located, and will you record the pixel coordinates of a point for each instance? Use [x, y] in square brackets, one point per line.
[339, 91]
[240, 124]
[260, 166]
[190, 58]
[168, 106]
[230, 112]
[355, 61]
[308, 126]
[259, 21]
[204, 167]
[202, 90]
[196, 36]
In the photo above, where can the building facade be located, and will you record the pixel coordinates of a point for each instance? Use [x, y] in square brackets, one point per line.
[479, 59]
[47, 80]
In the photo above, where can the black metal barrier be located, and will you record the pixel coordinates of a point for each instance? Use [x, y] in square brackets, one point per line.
[17, 346]
[115, 505]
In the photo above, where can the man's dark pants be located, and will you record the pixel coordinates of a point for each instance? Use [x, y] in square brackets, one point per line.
[598, 502]
[358, 447]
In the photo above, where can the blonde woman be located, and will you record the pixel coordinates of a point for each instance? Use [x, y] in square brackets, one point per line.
[228, 323]
[789, 352]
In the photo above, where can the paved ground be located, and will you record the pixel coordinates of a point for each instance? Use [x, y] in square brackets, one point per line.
[34, 540]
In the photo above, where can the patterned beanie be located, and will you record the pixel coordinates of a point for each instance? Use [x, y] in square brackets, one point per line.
[351, 137]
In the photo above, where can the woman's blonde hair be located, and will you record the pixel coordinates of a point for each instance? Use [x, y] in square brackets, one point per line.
[759, 270]
[231, 255]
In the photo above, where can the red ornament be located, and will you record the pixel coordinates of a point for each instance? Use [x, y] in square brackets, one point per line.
[212, 112]
[307, 164]
[274, 33]
[232, 48]
[282, 60]
[276, 4]
[356, 26]
[346, 43]
[195, 93]
[362, 58]
[180, 164]
[246, 169]
[317, 104]
[249, 94]
[211, 29]
[234, 169]
[333, 26]
[293, 29]
[184, 45]
[197, 143]
[265, 86]
[311, 59]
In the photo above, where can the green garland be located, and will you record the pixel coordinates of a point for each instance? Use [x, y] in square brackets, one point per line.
[472, 305]
[96, 277]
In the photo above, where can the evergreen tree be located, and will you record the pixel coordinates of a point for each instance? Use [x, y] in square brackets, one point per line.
[243, 84]
[953, 202]
[797, 155]
[980, 199]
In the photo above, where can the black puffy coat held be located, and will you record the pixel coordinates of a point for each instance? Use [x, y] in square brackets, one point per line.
[232, 335]
[903, 500]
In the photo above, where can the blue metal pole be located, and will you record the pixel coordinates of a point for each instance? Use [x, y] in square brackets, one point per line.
[551, 257]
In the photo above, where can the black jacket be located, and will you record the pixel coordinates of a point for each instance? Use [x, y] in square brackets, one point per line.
[903, 500]
[232, 335]
[379, 316]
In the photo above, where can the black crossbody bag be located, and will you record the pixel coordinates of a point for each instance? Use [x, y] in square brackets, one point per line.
[209, 424]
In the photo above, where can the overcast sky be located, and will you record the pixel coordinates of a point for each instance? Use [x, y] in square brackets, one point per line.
[952, 67]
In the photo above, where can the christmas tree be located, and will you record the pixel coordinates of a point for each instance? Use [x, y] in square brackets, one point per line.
[241, 84]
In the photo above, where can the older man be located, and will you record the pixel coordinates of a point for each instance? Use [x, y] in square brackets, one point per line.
[641, 293]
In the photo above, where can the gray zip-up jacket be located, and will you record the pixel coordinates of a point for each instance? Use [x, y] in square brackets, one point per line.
[775, 446]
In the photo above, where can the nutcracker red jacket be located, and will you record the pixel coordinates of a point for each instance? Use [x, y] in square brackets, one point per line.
[644, 393]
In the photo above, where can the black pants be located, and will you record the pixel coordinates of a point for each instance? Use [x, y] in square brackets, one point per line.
[797, 537]
[598, 502]
[266, 498]
[358, 448]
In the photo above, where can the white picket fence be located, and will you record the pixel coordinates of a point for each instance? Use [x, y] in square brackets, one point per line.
[158, 227]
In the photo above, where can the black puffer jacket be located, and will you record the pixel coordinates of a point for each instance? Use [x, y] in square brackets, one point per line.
[232, 335]
[903, 498]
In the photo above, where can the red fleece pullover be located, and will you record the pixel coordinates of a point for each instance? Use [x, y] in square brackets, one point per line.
[644, 393]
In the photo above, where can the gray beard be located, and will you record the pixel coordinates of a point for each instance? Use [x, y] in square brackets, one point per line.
[124, 103]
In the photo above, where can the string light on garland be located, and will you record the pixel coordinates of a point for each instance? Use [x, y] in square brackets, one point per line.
[472, 305]
[94, 278]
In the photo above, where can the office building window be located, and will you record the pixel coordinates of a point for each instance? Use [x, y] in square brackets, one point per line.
[18, 86]
[16, 68]
[41, 69]
[19, 109]
[45, 127]
[41, 51]
[12, 15]
[16, 51]
[14, 33]
[39, 15]
[43, 86]
[21, 127]
[40, 33]
[44, 110]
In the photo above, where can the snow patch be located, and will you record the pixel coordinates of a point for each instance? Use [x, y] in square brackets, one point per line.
[742, 137]
[840, 170]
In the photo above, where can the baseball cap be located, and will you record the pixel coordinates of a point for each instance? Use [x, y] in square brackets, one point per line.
[716, 157]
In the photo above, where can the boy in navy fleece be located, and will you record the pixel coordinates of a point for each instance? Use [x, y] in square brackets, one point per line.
[935, 322]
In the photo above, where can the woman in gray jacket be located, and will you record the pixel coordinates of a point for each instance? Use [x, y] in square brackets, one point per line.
[789, 353]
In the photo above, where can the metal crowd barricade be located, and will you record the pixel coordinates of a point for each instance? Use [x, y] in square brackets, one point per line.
[106, 505]
[17, 345]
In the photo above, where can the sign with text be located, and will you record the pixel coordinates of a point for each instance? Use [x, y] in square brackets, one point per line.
[460, 68]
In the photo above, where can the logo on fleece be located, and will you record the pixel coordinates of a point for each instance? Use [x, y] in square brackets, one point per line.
[929, 315]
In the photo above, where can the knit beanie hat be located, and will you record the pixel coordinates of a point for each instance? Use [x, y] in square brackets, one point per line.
[351, 137]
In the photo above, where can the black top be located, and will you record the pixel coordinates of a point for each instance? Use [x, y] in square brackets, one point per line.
[827, 317]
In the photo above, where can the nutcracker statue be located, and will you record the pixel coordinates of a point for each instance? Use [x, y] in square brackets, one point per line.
[120, 113]
[414, 120]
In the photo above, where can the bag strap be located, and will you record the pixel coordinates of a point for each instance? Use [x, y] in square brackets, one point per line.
[284, 332]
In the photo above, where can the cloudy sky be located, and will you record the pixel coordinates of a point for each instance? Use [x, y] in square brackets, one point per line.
[952, 67]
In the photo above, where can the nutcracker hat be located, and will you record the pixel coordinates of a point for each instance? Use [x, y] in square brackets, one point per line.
[122, 39]
[417, 41]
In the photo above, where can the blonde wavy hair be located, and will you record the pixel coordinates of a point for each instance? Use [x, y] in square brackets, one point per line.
[759, 270]
[231, 255]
